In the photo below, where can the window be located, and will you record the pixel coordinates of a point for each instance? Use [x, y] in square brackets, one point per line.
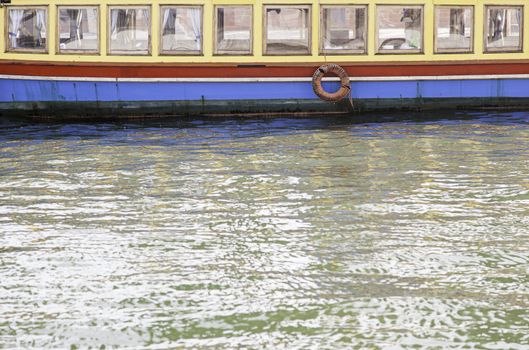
[287, 30]
[233, 34]
[503, 28]
[129, 30]
[181, 30]
[78, 29]
[343, 29]
[27, 29]
[399, 29]
[453, 28]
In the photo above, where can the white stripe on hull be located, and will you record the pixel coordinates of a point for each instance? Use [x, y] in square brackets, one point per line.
[264, 80]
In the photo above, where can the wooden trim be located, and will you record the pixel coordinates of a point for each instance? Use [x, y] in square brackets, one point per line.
[4, 62]
[396, 69]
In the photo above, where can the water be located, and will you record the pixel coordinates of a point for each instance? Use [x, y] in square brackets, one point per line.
[278, 233]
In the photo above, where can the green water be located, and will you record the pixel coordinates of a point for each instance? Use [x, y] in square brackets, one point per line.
[277, 234]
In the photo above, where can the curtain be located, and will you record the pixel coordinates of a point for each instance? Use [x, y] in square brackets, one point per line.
[145, 14]
[129, 32]
[519, 20]
[503, 24]
[41, 25]
[497, 21]
[197, 26]
[327, 15]
[175, 23]
[114, 21]
[130, 29]
[15, 20]
[166, 14]
[304, 30]
[78, 33]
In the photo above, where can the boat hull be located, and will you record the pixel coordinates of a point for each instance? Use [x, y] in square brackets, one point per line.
[102, 90]
[82, 97]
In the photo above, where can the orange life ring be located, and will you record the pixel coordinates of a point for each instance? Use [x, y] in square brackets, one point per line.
[332, 68]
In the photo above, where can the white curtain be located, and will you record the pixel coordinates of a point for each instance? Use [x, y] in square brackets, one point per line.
[519, 19]
[41, 24]
[145, 14]
[129, 34]
[197, 26]
[15, 21]
[114, 21]
[78, 26]
[502, 23]
[166, 13]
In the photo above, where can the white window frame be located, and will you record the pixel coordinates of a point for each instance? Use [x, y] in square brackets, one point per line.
[58, 33]
[111, 52]
[487, 49]
[322, 51]
[472, 24]
[397, 51]
[265, 30]
[45, 50]
[199, 52]
[216, 51]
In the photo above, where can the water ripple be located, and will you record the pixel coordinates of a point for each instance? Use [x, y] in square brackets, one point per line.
[280, 233]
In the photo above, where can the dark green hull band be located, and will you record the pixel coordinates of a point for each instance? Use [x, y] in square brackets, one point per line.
[291, 107]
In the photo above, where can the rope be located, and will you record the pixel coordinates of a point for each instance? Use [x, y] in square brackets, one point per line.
[351, 97]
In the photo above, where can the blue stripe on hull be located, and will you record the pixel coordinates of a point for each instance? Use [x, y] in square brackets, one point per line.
[14, 90]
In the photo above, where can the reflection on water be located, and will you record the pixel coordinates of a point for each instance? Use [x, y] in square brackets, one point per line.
[279, 233]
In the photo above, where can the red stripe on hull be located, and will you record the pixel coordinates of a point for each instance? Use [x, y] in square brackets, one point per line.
[215, 71]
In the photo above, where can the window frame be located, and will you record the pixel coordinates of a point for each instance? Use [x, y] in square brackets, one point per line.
[217, 52]
[436, 50]
[322, 51]
[486, 49]
[109, 31]
[378, 51]
[264, 35]
[161, 51]
[7, 47]
[58, 51]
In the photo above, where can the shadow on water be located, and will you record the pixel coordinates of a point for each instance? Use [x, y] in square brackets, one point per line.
[12, 128]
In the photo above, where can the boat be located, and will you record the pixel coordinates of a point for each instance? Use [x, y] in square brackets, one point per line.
[114, 59]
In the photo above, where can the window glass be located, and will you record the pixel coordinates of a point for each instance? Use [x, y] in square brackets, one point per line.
[129, 30]
[78, 29]
[453, 32]
[233, 33]
[503, 28]
[287, 29]
[399, 29]
[27, 29]
[343, 29]
[181, 29]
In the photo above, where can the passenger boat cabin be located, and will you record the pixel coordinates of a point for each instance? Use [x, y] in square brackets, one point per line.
[261, 31]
